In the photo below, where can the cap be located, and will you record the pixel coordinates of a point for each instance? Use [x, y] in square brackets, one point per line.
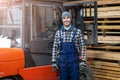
[66, 14]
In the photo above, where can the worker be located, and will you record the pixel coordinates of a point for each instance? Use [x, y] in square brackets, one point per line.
[68, 48]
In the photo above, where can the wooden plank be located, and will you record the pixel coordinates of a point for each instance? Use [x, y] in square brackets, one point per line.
[108, 38]
[108, 32]
[108, 14]
[113, 14]
[104, 63]
[103, 54]
[105, 47]
[100, 2]
[107, 72]
[109, 21]
[115, 73]
[109, 27]
[109, 42]
[107, 68]
[104, 21]
[106, 77]
[106, 9]
[104, 2]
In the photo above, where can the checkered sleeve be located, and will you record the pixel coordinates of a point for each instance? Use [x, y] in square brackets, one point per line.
[82, 47]
[55, 47]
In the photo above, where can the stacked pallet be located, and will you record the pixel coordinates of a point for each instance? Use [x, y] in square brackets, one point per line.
[106, 56]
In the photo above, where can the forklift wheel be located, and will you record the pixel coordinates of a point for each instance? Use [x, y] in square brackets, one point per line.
[86, 73]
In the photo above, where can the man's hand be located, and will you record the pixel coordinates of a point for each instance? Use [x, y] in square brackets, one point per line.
[82, 63]
[55, 67]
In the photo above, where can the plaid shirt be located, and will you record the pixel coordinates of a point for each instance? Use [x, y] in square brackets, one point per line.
[67, 35]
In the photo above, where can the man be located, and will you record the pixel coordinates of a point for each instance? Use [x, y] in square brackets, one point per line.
[67, 49]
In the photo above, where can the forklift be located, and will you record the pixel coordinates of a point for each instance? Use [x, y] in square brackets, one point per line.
[31, 35]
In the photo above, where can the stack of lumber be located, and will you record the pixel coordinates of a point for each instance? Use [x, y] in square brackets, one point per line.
[106, 56]
[105, 61]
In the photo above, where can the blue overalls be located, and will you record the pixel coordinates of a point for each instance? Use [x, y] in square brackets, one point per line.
[68, 60]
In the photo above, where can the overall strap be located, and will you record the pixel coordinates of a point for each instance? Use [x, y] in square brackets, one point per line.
[61, 39]
[74, 33]
[60, 34]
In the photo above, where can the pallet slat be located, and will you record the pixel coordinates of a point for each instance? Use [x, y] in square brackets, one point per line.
[103, 54]
[104, 63]
[104, 21]
[105, 77]
[109, 27]
[109, 39]
[105, 47]
[100, 2]
[104, 2]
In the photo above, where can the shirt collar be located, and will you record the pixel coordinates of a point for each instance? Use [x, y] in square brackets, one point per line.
[70, 29]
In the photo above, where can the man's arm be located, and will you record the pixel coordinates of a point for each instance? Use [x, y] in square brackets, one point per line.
[55, 53]
[55, 47]
[82, 46]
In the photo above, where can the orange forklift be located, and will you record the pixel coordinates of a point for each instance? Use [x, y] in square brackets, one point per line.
[27, 27]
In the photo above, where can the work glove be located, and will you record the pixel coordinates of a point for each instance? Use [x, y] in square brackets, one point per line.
[82, 63]
[54, 66]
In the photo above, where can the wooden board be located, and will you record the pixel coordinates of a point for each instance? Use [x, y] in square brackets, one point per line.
[106, 47]
[100, 2]
[109, 39]
[109, 14]
[103, 54]
[109, 27]
[104, 2]
[104, 21]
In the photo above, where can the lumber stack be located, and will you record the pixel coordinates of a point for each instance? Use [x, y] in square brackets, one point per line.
[105, 60]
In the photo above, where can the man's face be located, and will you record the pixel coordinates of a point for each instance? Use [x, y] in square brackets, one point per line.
[66, 21]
